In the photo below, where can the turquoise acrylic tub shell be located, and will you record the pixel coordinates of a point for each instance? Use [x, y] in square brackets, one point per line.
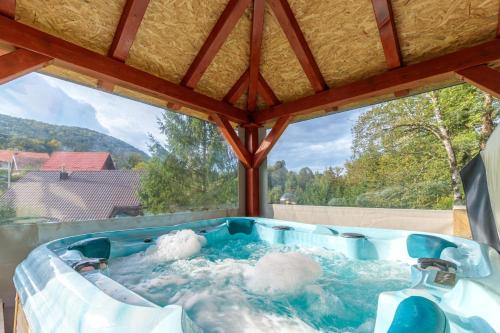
[56, 298]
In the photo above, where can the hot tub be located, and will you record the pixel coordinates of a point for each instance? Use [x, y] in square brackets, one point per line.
[257, 274]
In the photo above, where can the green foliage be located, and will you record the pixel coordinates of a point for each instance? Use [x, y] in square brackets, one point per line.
[29, 135]
[192, 169]
[399, 159]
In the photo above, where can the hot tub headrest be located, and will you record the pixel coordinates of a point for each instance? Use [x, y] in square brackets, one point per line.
[240, 226]
[417, 314]
[426, 246]
[97, 247]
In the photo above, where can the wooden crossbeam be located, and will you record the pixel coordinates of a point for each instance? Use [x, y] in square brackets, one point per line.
[398, 79]
[234, 141]
[266, 92]
[19, 63]
[388, 35]
[498, 25]
[291, 28]
[268, 143]
[255, 50]
[8, 8]
[125, 33]
[237, 89]
[96, 65]
[221, 30]
[483, 77]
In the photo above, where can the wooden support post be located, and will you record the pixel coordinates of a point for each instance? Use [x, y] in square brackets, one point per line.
[252, 179]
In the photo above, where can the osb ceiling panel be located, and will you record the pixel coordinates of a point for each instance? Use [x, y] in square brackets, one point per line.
[89, 23]
[279, 65]
[171, 34]
[69, 75]
[343, 37]
[230, 62]
[429, 28]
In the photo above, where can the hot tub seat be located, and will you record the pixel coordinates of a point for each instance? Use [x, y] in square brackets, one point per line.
[417, 314]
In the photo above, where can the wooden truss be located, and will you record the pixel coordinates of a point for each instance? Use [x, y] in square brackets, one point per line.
[35, 49]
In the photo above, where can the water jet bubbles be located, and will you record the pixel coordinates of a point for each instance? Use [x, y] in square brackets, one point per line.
[175, 245]
[281, 273]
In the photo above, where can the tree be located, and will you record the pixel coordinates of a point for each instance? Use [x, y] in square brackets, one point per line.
[192, 167]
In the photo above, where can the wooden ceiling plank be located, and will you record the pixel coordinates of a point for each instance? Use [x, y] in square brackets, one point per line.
[237, 89]
[406, 77]
[229, 133]
[255, 52]
[20, 62]
[291, 28]
[8, 8]
[102, 67]
[266, 92]
[388, 35]
[125, 33]
[483, 77]
[270, 140]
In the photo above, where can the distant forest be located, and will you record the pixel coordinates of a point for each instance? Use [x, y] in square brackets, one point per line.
[406, 153]
[30, 135]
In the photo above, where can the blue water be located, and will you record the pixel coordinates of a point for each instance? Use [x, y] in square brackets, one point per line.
[242, 286]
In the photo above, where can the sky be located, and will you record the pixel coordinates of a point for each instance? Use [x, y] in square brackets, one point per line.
[317, 143]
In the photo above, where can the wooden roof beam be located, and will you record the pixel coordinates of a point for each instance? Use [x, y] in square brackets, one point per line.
[234, 141]
[8, 8]
[386, 83]
[20, 62]
[266, 92]
[125, 33]
[291, 28]
[221, 30]
[255, 51]
[101, 67]
[270, 140]
[483, 77]
[237, 89]
[388, 35]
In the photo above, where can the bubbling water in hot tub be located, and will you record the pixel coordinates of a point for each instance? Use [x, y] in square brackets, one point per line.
[245, 286]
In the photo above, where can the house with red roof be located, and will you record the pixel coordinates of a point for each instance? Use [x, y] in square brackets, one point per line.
[23, 160]
[79, 161]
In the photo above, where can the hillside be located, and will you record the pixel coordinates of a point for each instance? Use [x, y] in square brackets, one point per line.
[31, 135]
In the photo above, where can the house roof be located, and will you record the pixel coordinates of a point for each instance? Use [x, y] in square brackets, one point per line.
[24, 159]
[78, 161]
[84, 195]
[306, 48]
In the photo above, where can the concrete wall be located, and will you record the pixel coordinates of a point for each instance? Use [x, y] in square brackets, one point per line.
[438, 221]
[17, 240]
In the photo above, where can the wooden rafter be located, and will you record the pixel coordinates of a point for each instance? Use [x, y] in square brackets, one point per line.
[483, 77]
[291, 28]
[221, 30]
[101, 67]
[398, 79]
[388, 35]
[237, 89]
[234, 141]
[266, 92]
[270, 140]
[8, 8]
[127, 28]
[19, 63]
[498, 25]
[255, 50]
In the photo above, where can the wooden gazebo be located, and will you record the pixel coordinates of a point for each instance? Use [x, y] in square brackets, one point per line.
[255, 63]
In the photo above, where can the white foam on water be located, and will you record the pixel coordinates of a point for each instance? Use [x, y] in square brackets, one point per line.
[278, 272]
[176, 245]
[229, 310]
